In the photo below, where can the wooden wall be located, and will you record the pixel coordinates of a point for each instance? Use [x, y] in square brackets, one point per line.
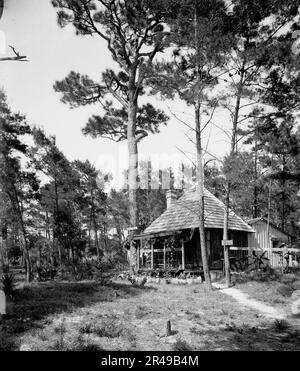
[260, 239]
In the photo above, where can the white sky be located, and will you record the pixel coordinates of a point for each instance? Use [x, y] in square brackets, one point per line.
[31, 27]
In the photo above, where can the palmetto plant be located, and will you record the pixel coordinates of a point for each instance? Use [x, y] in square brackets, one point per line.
[8, 282]
[259, 260]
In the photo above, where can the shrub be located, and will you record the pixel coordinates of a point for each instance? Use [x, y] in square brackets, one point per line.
[181, 346]
[296, 285]
[280, 325]
[89, 347]
[8, 282]
[46, 272]
[87, 328]
[137, 281]
[81, 345]
[89, 269]
[108, 329]
[288, 278]
[284, 290]
[141, 312]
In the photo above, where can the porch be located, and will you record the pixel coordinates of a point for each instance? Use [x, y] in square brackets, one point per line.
[180, 252]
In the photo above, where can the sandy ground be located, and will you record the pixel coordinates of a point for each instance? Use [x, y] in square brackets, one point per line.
[119, 316]
[244, 300]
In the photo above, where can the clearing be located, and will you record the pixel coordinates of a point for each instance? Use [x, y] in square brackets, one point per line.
[87, 316]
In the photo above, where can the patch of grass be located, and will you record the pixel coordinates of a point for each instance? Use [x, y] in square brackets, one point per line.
[108, 329]
[181, 346]
[280, 325]
[80, 345]
[296, 285]
[224, 312]
[86, 328]
[42, 335]
[271, 287]
[138, 322]
[230, 327]
[195, 331]
[89, 347]
[284, 290]
[61, 331]
[129, 337]
[141, 312]
[6, 344]
[8, 283]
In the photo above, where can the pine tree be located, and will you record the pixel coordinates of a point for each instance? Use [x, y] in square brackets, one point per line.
[199, 53]
[134, 34]
[18, 185]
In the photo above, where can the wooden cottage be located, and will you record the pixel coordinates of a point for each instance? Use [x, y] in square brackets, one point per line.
[273, 243]
[172, 241]
[266, 235]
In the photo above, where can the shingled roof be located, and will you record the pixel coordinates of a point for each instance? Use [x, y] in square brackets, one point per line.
[184, 214]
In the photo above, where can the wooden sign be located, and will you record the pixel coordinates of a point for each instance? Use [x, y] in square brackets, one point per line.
[227, 242]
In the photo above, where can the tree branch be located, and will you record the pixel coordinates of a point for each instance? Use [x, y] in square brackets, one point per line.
[18, 57]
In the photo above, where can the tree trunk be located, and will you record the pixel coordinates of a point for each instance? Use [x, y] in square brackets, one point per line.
[55, 222]
[225, 237]
[200, 165]
[1, 256]
[200, 187]
[38, 262]
[47, 225]
[28, 263]
[228, 186]
[283, 194]
[132, 171]
[3, 241]
[96, 236]
[18, 210]
[90, 227]
[255, 191]
[59, 253]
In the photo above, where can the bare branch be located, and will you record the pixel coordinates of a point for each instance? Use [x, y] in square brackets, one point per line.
[184, 153]
[18, 57]
[210, 118]
[183, 122]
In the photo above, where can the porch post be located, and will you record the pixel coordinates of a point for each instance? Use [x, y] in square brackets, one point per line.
[290, 260]
[138, 255]
[165, 255]
[182, 254]
[152, 255]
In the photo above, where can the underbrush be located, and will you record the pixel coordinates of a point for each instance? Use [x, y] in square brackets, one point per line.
[108, 328]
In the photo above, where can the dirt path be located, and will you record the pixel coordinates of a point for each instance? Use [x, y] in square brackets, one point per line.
[266, 310]
[245, 300]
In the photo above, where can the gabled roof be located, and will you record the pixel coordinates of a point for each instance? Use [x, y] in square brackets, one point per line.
[184, 214]
[255, 220]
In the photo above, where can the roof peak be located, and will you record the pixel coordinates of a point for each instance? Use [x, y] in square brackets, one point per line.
[184, 214]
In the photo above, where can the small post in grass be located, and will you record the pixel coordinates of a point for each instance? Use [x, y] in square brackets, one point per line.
[169, 329]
